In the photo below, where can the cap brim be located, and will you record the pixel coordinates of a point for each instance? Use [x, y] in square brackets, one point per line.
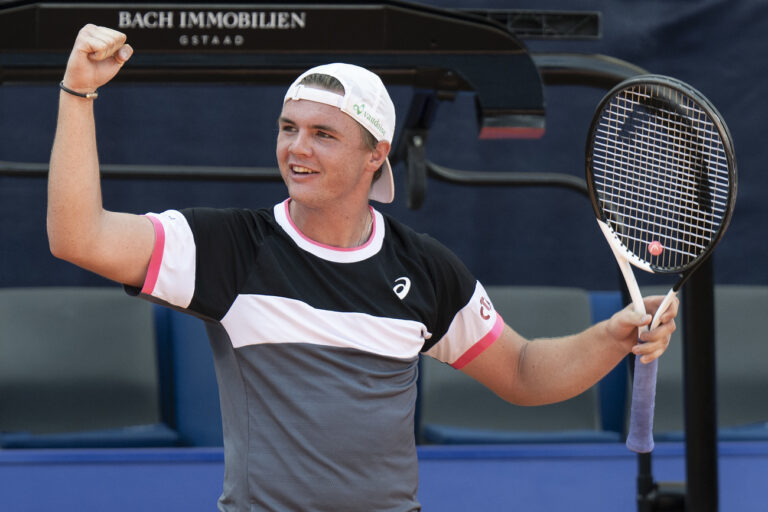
[383, 189]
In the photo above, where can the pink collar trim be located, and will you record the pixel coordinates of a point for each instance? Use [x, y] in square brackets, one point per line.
[327, 252]
[331, 247]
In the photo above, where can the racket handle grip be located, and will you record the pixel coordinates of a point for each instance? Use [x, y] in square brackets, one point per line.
[640, 437]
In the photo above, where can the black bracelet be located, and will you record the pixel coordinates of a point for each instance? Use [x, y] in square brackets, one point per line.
[87, 95]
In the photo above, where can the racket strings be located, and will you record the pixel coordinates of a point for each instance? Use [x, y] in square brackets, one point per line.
[674, 158]
[718, 205]
[661, 174]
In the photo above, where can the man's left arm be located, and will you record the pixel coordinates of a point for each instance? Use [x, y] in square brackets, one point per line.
[549, 370]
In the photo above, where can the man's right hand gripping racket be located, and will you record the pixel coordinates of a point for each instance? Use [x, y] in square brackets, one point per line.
[661, 173]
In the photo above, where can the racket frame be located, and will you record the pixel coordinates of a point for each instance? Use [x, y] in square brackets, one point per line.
[725, 138]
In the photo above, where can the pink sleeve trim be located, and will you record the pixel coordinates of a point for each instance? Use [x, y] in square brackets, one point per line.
[153, 271]
[479, 347]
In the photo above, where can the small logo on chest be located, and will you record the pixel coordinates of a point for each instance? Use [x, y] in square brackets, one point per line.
[402, 287]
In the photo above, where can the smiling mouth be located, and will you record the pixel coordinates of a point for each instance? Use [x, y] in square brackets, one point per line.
[298, 169]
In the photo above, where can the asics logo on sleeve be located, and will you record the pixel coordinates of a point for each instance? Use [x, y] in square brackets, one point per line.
[402, 287]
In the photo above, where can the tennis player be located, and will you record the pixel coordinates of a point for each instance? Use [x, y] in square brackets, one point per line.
[317, 307]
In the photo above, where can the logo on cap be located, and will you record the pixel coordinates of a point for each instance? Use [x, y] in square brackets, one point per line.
[360, 111]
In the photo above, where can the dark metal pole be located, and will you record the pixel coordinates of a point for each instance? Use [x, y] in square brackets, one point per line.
[700, 391]
[646, 487]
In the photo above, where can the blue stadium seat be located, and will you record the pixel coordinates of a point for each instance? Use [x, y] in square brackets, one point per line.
[455, 409]
[78, 368]
[742, 380]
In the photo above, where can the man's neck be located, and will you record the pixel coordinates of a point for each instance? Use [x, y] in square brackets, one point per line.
[335, 227]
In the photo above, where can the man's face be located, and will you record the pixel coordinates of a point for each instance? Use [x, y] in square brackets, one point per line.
[321, 154]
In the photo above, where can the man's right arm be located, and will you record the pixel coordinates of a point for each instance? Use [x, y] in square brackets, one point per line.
[115, 245]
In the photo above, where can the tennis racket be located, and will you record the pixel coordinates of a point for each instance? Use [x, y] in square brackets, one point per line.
[661, 173]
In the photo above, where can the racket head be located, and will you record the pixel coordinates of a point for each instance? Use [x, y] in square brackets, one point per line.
[661, 172]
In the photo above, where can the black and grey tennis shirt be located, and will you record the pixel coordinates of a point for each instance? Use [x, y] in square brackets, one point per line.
[316, 350]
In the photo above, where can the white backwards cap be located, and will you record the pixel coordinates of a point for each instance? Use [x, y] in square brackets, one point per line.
[365, 100]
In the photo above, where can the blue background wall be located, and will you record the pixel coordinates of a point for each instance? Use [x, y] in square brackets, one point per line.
[506, 236]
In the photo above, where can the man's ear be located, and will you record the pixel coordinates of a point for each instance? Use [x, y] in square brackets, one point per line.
[379, 155]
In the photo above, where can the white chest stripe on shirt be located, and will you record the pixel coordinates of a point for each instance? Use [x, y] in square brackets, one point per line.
[260, 319]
